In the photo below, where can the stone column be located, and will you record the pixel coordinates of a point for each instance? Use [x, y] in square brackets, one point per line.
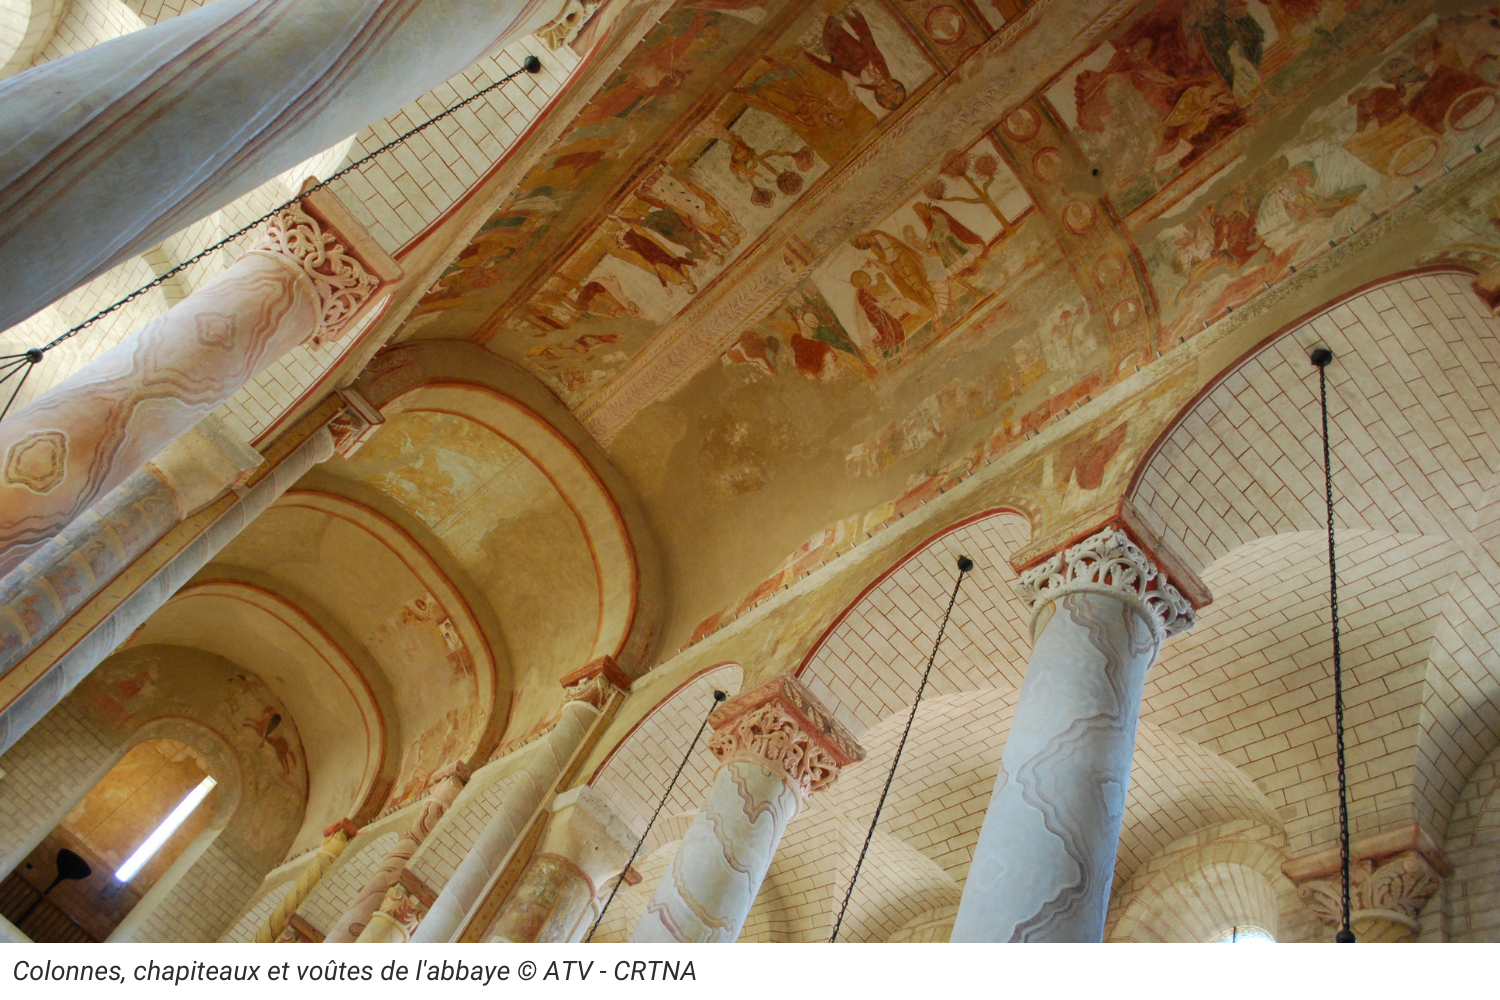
[1046, 853]
[335, 839]
[585, 845]
[776, 745]
[1392, 875]
[442, 789]
[62, 675]
[105, 153]
[303, 280]
[586, 692]
[69, 568]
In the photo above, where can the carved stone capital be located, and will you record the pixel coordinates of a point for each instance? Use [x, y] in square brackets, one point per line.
[595, 682]
[1109, 562]
[344, 826]
[569, 21]
[781, 725]
[1391, 877]
[344, 263]
[457, 770]
[406, 903]
[355, 424]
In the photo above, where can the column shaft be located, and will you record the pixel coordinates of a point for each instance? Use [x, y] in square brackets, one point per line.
[1045, 859]
[586, 844]
[443, 789]
[446, 918]
[1046, 853]
[63, 675]
[72, 566]
[65, 450]
[776, 745]
[106, 152]
[335, 839]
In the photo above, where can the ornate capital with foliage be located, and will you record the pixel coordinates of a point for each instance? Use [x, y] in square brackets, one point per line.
[595, 682]
[1109, 562]
[781, 725]
[343, 284]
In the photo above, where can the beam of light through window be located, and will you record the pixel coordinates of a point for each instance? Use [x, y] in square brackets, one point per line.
[168, 827]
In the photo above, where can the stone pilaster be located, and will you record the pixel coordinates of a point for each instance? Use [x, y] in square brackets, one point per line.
[1391, 877]
[1100, 611]
[442, 789]
[776, 745]
[335, 839]
[586, 692]
[586, 845]
[61, 453]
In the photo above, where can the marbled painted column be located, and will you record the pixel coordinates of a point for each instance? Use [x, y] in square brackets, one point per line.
[442, 789]
[73, 666]
[1046, 852]
[776, 745]
[1392, 875]
[335, 839]
[71, 567]
[65, 450]
[105, 153]
[586, 844]
[586, 691]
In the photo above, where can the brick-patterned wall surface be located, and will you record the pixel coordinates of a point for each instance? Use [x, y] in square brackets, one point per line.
[335, 891]
[1472, 892]
[242, 931]
[638, 773]
[869, 666]
[47, 772]
[1237, 488]
[1203, 885]
[205, 900]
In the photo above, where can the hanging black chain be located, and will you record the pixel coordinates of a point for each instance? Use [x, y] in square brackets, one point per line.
[719, 697]
[964, 565]
[1321, 358]
[10, 364]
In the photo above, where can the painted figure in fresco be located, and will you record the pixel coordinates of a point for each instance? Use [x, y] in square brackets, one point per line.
[698, 209]
[746, 165]
[949, 238]
[882, 329]
[603, 296]
[817, 322]
[852, 50]
[662, 68]
[901, 263]
[1444, 83]
[636, 246]
[783, 92]
[1181, 60]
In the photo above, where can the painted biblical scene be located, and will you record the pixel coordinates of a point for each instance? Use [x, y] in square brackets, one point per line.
[1429, 103]
[1159, 100]
[655, 83]
[902, 286]
[819, 91]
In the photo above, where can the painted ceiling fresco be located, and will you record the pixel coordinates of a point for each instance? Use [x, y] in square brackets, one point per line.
[1194, 155]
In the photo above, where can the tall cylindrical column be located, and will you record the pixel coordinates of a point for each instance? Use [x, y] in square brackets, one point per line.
[105, 153]
[72, 566]
[335, 839]
[776, 745]
[84, 437]
[1046, 853]
[79, 661]
[443, 788]
[586, 696]
[586, 844]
